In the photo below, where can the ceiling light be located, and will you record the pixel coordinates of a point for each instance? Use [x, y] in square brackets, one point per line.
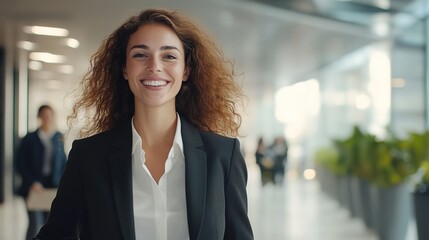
[35, 65]
[384, 4]
[73, 43]
[381, 25]
[47, 57]
[47, 31]
[26, 45]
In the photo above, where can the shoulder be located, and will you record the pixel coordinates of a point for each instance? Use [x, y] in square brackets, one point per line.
[217, 138]
[92, 150]
[106, 138]
[214, 142]
[210, 140]
[31, 136]
[94, 140]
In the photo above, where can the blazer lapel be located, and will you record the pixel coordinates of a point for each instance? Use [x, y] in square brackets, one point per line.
[121, 169]
[196, 176]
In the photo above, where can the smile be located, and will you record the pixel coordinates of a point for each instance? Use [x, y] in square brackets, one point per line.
[154, 83]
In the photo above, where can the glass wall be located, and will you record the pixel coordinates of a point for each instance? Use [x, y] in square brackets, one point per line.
[409, 80]
[380, 88]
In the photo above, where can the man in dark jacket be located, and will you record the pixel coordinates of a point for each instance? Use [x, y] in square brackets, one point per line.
[40, 162]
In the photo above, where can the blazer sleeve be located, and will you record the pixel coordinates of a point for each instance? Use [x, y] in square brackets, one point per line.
[237, 224]
[67, 208]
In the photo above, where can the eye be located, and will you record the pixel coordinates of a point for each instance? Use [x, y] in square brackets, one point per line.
[170, 56]
[138, 55]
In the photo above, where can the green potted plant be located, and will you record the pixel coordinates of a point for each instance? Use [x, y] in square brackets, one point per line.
[343, 167]
[365, 175]
[418, 149]
[383, 169]
[391, 200]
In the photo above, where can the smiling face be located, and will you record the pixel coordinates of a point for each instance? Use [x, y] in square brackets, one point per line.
[155, 66]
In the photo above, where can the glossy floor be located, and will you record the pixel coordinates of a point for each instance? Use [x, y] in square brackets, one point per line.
[298, 210]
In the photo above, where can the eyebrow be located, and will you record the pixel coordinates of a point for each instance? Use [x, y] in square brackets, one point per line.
[142, 46]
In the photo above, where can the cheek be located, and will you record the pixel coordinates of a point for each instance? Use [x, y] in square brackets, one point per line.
[180, 72]
[133, 66]
[129, 68]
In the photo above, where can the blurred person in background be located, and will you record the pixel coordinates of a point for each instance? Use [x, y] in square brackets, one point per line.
[40, 163]
[279, 151]
[160, 158]
[264, 161]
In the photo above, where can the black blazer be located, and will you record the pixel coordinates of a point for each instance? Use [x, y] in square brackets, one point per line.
[30, 159]
[94, 199]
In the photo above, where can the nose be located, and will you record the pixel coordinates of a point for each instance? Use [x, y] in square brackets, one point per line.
[153, 65]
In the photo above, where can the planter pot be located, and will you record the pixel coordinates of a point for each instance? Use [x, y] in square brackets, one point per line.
[342, 186]
[322, 177]
[345, 193]
[332, 185]
[356, 194]
[351, 201]
[421, 210]
[327, 181]
[392, 211]
[365, 201]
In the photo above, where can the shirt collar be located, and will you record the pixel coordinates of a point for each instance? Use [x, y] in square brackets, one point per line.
[177, 142]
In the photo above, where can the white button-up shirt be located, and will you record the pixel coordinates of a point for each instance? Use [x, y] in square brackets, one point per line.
[46, 139]
[160, 209]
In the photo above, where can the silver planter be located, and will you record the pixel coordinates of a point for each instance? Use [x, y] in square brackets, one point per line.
[391, 211]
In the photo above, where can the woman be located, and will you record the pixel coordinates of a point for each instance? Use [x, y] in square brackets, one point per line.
[158, 166]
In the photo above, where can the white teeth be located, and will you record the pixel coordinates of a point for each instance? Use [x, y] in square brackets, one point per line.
[154, 83]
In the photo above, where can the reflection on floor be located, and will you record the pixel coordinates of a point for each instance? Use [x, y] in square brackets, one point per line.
[298, 210]
[295, 211]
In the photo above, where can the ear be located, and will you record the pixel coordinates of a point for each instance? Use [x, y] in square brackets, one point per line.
[124, 74]
[186, 73]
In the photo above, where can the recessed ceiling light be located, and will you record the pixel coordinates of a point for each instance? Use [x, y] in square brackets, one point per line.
[47, 31]
[47, 57]
[73, 43]
[26, 45]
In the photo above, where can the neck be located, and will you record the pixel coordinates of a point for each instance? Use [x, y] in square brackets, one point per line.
[155, 126]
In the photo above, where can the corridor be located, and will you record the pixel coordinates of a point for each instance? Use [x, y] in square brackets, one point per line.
[298, 210]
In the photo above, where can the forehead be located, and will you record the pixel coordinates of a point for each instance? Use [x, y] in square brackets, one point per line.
[153, 35]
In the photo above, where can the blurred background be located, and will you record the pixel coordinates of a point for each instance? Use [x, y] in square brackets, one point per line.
[343, 82]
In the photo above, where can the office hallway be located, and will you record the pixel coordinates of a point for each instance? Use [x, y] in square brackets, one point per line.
[298, 210]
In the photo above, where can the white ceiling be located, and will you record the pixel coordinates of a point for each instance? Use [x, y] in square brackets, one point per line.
[271, 46]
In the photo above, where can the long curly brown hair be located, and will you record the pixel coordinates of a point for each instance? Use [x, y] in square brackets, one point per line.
[208, 99]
